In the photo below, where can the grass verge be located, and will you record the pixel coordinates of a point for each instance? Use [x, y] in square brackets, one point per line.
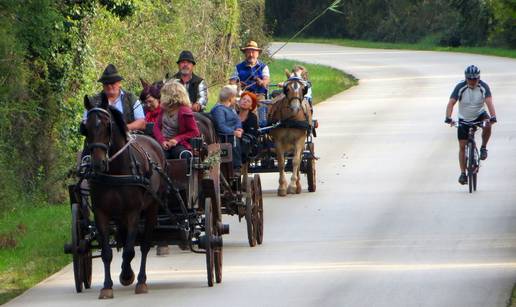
[31, 246]
[326, 81]
[509, 53]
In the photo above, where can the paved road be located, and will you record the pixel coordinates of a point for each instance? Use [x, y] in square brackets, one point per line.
[389, 224]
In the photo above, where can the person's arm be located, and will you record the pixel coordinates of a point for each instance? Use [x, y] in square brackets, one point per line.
[202, 96]
[156, 131]
[234, 77]
[265, 80]
[449, 110]
[139, 118]
[490, 107]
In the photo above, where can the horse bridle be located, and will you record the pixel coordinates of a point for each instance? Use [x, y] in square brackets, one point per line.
[300, 99]
[103, 146]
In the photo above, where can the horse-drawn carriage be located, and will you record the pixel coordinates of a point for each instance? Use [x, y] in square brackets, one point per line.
[279, 129]
[139, 198]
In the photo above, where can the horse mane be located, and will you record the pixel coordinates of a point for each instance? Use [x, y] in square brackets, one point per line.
[119, 120]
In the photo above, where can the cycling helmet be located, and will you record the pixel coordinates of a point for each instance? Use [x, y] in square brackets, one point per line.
[472, 72]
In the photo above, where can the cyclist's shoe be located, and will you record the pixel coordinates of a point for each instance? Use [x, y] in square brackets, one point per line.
[483, 153]
[463, 179]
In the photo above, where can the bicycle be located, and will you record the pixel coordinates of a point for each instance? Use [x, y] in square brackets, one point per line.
[472, 155]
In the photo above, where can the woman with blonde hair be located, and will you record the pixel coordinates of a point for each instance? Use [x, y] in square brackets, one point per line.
[177, 125]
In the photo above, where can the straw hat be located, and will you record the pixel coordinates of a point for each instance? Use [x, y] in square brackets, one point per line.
[252, 45]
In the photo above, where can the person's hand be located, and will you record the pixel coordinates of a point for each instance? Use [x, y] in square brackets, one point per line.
[493, 120]
[259, 82]
[165, 145]
[171, 143]
[196, 107]
[238, 133]
[450, 121]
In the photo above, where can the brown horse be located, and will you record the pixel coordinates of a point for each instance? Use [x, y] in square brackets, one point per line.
[294, 115]
[125, 185]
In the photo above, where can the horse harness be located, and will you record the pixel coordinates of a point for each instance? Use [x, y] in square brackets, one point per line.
[140, 175]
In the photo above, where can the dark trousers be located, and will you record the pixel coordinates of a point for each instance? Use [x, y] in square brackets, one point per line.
[174, 152]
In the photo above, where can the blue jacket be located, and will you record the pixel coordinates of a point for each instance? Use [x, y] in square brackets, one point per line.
[248, 74]
[225, 118]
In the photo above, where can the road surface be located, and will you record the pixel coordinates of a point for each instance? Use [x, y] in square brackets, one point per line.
[388, 226]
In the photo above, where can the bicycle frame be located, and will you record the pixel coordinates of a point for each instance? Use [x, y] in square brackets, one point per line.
[471, 152]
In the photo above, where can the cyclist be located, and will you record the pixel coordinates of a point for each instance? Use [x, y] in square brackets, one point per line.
[472, 94]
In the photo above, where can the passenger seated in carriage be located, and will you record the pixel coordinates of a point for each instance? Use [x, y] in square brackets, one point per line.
[150, 95]
[176, 125]
[246, 107]
[227, 122]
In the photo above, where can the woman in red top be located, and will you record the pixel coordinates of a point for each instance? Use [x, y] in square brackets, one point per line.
[176, 125]
[151, 96]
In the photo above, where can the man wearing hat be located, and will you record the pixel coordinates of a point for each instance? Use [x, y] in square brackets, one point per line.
[253, 74]
[125, 102]
[195, 85]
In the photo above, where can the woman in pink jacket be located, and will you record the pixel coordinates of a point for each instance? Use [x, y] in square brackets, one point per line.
[176, 125]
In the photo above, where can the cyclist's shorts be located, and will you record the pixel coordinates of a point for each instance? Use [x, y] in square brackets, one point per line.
[462, 131]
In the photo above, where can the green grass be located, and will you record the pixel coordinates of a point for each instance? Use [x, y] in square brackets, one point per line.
[35, 236]
[427, 44]
[326, 81]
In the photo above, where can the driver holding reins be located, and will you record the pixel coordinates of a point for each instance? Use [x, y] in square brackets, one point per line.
[253, 74]
[472, 94]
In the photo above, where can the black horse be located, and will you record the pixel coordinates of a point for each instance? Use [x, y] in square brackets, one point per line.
[126, 185]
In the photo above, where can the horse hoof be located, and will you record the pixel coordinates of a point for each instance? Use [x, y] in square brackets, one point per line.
[106, 294]
[127, 281]
[141, 288]
[282, 193]
[291, 190]
[298, 190]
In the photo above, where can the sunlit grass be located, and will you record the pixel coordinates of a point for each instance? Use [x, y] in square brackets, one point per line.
[38, 247]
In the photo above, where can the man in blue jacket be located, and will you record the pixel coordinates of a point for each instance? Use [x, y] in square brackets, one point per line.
[253, 74]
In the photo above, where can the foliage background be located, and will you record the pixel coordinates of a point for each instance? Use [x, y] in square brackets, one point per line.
[53, 51]
[441, 22]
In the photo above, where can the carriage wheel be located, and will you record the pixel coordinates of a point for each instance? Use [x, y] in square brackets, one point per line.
[218, 251]
[249, 218]
[258, 206]
[78, 263]
[87, 258]
[310, 170]
[208, 234]
[218, 264]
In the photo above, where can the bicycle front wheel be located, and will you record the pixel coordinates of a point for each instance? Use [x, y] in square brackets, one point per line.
[470, 163]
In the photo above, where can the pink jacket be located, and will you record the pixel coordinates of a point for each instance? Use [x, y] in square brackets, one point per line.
[187, 127]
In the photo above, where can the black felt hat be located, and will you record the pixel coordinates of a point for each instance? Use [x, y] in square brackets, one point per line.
[110, 75]
[186, 56]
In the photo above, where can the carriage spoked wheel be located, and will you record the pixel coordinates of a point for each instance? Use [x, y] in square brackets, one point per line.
[258, 208]
[310, 170]
[207, 245]
[81, 253]
[249, 210]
